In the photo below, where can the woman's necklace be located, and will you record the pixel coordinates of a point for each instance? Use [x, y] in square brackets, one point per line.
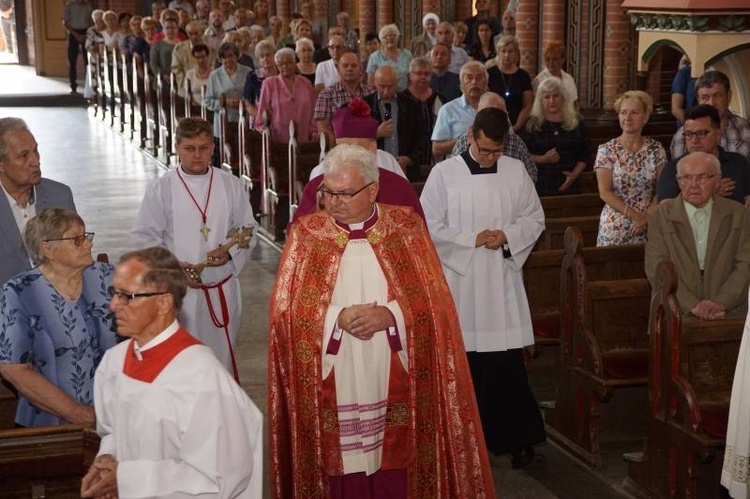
[507, 83]
[67, 291]
[203, 211]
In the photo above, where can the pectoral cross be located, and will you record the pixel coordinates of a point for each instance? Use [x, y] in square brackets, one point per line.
[205, 230]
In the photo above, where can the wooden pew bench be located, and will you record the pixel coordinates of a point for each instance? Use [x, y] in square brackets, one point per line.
[576, 205]
[603, 345]
[554, 231]
[541, 276]
[47, 461]
[692, 365]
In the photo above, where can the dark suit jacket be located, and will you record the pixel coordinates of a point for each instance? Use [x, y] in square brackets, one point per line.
[411, 127]
[13, 256]
[727, 265]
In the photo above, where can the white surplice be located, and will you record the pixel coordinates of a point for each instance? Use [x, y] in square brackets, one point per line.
[362, 368]
[734, 474]
[487, 287]
[168, 217]
[190, 432]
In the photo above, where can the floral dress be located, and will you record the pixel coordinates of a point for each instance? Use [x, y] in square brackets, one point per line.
[62, 340]
[634, 177]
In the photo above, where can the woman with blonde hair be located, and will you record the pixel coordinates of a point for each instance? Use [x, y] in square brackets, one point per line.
[511, 82]
[556, 140]
[306, 67]
[627, 169]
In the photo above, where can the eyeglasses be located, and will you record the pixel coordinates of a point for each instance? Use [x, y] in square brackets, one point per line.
[343, 196]
[77, 240]
[127, 297]
[490, 152]
[701, 178]
[700, 134]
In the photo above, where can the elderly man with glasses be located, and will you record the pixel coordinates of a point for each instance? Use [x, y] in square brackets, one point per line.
[702, 133]
[172, 421]
[327, 73]
[369, 389]
[706, 237]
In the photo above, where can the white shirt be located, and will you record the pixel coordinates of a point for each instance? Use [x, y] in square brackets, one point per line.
[326, 73]
[21, 214]
[487, 287]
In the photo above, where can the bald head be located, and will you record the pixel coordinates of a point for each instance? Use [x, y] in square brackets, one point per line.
[386, 81]
[491, 99]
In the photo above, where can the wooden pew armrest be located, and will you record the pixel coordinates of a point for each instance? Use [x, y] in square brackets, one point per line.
[686, 403]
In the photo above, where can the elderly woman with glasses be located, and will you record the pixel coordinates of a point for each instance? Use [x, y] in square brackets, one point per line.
[390, 54]
[55, 323]
[627, 169]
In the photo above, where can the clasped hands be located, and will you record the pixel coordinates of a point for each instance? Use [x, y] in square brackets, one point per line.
[491, 239]
[101, 480]
[709, 310]
[364, 320]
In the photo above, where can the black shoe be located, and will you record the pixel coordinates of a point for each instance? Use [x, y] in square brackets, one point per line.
[522, 458]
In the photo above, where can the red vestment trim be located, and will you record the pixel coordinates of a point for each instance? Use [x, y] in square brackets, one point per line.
[155, 359]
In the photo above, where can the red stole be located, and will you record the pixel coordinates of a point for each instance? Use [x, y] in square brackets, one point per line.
[433, 428]
[155, 359]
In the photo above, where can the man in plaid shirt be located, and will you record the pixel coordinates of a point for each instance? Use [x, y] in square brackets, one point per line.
[340, 94]
[713, 88]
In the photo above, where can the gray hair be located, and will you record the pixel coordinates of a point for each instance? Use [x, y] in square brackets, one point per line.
[303, 42]
[164, 271]
[227, 47]
[9, 125]
[418, 63]
[473, 64]
[387, 30]
[47, 224]
[264, 47]
[286, 51]
[491, 99]
[352, 156]
[546, 87]
[712, 160]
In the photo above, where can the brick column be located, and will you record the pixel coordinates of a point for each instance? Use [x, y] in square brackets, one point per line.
[366, 19]
[385, 13]
[527, 32]
[464, 9]
[282, 9]
[553, 23]
[616, 52]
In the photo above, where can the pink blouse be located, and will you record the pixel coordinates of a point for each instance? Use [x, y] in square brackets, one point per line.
[284, 105]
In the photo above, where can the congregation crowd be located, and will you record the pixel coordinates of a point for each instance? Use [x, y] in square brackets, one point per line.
[398, 321]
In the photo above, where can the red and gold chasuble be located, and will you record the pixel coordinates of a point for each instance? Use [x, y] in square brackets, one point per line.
[432, 423]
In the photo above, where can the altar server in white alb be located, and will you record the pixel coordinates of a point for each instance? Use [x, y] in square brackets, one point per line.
[172, 421]
[736, 469]
[484, 217]
[190, 211]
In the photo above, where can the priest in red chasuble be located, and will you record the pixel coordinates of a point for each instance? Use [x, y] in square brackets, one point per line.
[369, 388]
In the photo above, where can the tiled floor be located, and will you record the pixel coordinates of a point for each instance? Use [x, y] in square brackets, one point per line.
[108, 177]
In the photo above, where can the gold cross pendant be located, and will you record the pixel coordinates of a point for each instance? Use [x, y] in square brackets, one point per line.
[205, 230]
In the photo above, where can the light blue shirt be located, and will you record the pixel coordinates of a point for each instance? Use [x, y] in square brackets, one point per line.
[401, 65]
[453, 119]
[700, 219]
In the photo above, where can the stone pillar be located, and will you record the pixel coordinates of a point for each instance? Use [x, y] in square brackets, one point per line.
[553, 23]
[616, 53]
[527, 32]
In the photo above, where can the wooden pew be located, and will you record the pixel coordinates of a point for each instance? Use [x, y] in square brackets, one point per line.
[250, 158]
[151, 114]
[541, 276]
[554, 231]
[692, 365]
[603, 348]
[576, 205]
[164, 123]
[138, 103]
[228, 139]
[47, 461]
[303, 157]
